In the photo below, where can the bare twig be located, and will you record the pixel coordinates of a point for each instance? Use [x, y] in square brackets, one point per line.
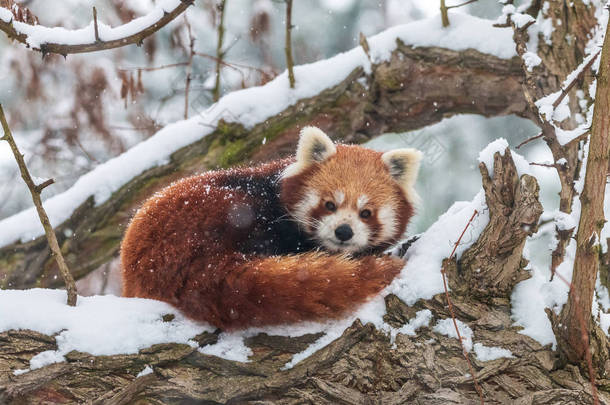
[151, 69]
[566, 90]
[219, 52]
[35, 190]
[528, 140]
[288, 45]
[551, 165]
[232, 65]
[450, 304]
[95, 28]
[462, 4]
[189, 67]
[64, 49]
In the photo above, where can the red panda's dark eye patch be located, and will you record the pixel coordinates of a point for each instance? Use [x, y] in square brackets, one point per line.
[330, 206]
[365, 213]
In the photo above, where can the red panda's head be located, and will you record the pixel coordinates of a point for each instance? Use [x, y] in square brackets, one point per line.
[349, 198]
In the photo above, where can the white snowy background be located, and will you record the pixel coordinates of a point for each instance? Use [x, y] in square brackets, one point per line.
[92, 166]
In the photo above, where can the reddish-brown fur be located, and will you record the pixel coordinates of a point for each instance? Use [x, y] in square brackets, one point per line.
[221, 248]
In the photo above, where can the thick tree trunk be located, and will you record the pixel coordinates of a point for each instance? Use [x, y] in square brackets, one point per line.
[570, 20]
[575, 320]
[417, 87]
[361, 367]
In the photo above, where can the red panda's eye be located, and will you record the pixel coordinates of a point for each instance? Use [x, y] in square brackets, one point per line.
[365, 213]
[330, 206]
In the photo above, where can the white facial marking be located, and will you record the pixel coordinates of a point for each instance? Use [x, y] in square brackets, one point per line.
[302, 208]
[389, 223]
[339, 197]
[362, 200]
[326, 232]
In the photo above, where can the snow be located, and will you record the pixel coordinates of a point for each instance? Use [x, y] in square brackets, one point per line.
[457, 36]
[521, 20]
[447, 328]
[230, 346]
[244, 107]
[500, 145]
[135, 323]
[146, 371]
[485, 353]
[531, 60]
[6, 15]
[422, 277]
[564, 221]
[422, 318]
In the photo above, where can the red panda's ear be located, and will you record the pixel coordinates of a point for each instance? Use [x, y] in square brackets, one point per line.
[403, 165]
[314, 147]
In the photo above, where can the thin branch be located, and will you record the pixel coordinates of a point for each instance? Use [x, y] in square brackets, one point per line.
[14, 30]
[151, 69]
[566, 90]
[462, 4]
[450, 304]
[550, 165]
[189, 67]
[97, 32]
[288, 45]
[528, 140]
[35, 191]
[43, 185]
[233, 65]
[219, 53]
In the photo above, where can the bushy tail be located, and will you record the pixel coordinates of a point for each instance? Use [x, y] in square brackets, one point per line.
[287, 289]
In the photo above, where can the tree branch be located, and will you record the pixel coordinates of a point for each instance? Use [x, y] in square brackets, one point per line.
[592, 220]
[35, 191]
[493, 265]
[20, 32]
[288, 45]
[444, 14]
[219, 52]
[415, 88]
[189, 66]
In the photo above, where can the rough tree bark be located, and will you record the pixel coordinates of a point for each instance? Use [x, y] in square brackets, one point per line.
[492, 266]
[361, 367]
[417, 87]
[570, 20]
[576, 314]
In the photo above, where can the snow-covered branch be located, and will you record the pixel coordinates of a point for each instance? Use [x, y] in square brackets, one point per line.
[421, 75]
[96, 36]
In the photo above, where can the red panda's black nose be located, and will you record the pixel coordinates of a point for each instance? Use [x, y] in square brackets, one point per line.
[344, 232]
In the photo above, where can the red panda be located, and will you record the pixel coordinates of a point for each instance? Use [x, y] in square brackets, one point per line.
[287, 241]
